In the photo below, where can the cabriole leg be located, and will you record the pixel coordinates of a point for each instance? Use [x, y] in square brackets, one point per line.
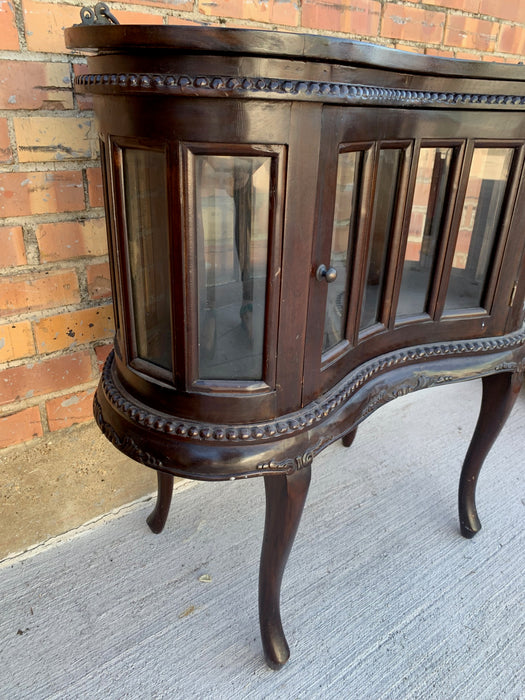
[285, 497]
[158, 516]
[349, 437]
[500, 392]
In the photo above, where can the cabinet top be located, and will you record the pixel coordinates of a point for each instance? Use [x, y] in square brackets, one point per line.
[104, 39]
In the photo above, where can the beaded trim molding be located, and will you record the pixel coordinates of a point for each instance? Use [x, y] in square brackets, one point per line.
[309, 89]
[318, 410]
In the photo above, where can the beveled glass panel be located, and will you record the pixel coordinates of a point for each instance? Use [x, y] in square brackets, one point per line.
[345, 211]
[145, 194]
[232, 197]
[480, 217]
[380, 234]
[428, 203]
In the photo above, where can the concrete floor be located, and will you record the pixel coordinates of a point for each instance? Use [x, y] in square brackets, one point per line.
[382, 598]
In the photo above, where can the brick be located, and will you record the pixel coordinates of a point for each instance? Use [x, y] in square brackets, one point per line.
[275, 11]
[356, 17]
[446, 53]
[45, 23]
[55, 138]
[44, 377]
[468, 55]
[511, 40]
[32, 292]
[497, 59]
[6, 154]
[73, 328]
[95, 189]
[16, 341]
[134, 17]
[8, 30]
[12, 246]
[35, 85]
[513, 10]
[23, 194]
[69, 239]
[20, 427]
[102, 352]
[471, 33]
[68, 410]
[179, 5]
[98, 281]
[410, 49]
[182, 22]
[465, 5]
[413, 24]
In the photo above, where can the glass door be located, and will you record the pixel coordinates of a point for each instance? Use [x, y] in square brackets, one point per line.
[233, 244]
[425, 224]
[348, 193]
[391, 165]
[199, 214]
[412, 236]
[475, 246]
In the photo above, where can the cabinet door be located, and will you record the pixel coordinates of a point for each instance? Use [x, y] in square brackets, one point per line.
[232, 185]
[413, 234]
[200, 210]
[235, 248]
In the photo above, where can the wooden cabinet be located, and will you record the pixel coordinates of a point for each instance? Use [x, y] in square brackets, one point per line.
[300, 229]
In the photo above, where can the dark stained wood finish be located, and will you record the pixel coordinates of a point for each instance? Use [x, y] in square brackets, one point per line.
[285, 499]
[158, 516]
[302, 100]
[500, 392]
[248, 42]
[349, 437]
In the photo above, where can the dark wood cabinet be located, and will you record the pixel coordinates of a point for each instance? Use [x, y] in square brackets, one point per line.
[301, 229]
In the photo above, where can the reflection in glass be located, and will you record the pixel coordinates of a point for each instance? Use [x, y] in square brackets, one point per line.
[380, 234]
[425, 223]
[345, 217]
[145, 191]
[482, 206]
[232, 196]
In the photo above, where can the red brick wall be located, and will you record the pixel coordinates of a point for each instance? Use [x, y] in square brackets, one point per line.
[55, 310]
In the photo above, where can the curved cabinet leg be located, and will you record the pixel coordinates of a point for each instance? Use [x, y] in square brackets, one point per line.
[285, 497]
[349, 437]
[158, 516]
[500, 392]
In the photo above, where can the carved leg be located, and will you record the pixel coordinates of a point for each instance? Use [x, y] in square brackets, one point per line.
[158, 516]
[348, 438]
[285, 497]
[500, 391]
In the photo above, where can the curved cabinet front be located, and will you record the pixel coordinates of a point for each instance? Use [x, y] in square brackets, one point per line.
[300, 230]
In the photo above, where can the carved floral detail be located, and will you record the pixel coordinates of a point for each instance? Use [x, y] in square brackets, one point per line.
[298, 462]
[518, 366]
[423, 382]
[126, 444]
[317, 411]
[349, 93]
